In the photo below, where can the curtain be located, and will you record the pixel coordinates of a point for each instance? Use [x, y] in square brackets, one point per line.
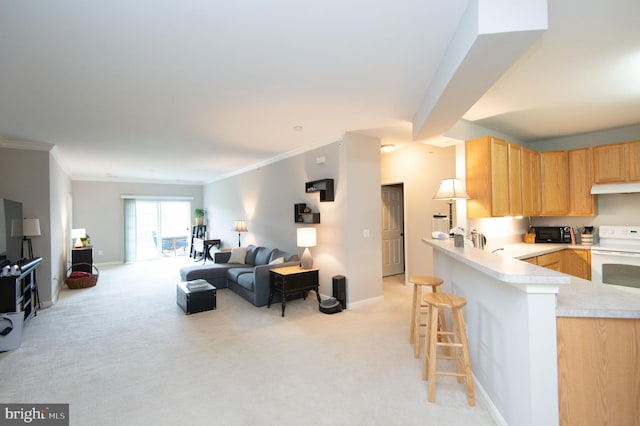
[129, 230]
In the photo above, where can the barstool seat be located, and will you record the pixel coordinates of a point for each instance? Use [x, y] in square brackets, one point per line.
[420, 281]
[457, 339]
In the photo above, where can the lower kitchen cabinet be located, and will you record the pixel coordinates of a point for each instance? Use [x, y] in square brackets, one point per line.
[598, 372]
[576, 262]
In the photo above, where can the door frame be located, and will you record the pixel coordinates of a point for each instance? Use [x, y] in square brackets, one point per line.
[404, 221]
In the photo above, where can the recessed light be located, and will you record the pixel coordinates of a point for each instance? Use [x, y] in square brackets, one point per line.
[387, 147]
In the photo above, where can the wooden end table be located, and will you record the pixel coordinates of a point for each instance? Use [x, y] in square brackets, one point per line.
[293, 280]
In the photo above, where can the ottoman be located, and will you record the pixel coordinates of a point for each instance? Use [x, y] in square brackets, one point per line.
[197, 298]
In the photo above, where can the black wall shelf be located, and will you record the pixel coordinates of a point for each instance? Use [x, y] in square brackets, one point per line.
[301, 217]
[323, 186]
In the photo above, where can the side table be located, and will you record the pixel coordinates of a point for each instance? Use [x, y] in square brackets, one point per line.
[203, 246]
[293, 280]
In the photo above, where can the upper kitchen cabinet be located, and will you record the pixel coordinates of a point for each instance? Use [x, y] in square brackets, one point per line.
[610, 163]
[554, 170]
[581, 202]
[530, 177]
[494, 181]
[616, 163]
[487, 169]
[634, 161]
[515, 179]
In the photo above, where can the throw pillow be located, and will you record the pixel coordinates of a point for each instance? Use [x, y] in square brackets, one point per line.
[277, 261]
[238, 254]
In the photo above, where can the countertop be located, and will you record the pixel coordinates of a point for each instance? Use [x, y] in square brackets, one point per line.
[576, 297]
[523, 250]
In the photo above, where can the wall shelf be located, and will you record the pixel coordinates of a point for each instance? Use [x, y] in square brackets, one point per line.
[300, 216]
[323, 186]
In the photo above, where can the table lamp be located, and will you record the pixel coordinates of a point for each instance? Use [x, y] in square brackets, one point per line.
[306, 239]
[450, 190]
[78, 234]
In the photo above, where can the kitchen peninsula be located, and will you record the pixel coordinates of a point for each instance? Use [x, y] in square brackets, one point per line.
[523, 320]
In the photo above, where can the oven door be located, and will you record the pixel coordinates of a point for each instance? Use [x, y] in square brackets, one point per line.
[619, 268]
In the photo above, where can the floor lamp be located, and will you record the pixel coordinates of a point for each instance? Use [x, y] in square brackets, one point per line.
[239, 226]
[451, 190]
[30, 228]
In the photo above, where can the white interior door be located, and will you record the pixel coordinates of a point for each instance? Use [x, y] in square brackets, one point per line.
[392, 230]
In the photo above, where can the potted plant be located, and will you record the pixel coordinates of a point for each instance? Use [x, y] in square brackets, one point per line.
[199, 214]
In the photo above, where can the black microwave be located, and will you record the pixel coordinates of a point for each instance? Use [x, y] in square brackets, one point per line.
[553, 234]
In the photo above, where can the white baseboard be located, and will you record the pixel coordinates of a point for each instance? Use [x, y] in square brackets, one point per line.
[493, 410]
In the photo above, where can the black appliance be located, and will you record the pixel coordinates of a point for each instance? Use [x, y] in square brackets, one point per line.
[10, 231]
[553, 234]
[340, 290]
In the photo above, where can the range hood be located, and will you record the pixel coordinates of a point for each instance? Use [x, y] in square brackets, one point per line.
[616, 188]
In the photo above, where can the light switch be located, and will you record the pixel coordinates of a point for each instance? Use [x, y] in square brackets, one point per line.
[365, 233]
[321, 160]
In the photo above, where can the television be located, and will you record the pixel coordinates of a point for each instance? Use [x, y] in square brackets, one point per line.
[10, 231]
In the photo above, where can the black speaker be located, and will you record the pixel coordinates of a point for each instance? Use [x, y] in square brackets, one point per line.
[340, 290]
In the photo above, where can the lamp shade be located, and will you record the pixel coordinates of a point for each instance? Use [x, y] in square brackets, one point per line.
[78, 233]
[306, 237]
[451, 189]
[31, 227]
[239, 226]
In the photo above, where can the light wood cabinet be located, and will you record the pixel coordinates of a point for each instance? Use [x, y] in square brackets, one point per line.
[487, 167]
[515, 179]
[530, 178]
[577, 262]
[598, 371]
[610, 163]
[581, 202]
[499, 177]
[554, 173]
[551, 261]
[494, 181]
[634, 161]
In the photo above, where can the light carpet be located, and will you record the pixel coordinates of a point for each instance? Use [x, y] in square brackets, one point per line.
[124, 353]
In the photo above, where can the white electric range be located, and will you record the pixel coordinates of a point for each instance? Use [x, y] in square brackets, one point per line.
[616, 259]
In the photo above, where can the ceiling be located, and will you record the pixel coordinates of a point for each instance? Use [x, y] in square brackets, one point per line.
[191, 91]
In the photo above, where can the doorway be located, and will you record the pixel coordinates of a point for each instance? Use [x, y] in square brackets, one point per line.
[392, 197]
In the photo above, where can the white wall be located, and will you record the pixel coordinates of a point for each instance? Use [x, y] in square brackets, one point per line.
[60, 196]
[265, 197]
[98, 207]
[420, 168]
[24, 177]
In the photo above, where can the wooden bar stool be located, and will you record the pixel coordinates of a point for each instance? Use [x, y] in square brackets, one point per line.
[420, 281]
[437, 302]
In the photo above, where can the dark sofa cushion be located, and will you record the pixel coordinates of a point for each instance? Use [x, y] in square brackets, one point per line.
[246, 281]
[263, 255]
[234, 273]
[276, 253]
[250, 259]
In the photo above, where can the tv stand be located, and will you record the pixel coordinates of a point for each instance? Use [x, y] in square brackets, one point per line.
[19, 293]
